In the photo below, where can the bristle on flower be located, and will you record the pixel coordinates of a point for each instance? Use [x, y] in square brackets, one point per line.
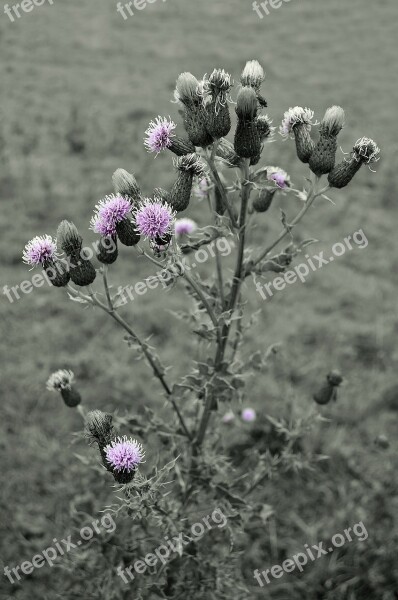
[278, 176]
[40, 249]
[191, 163]
[252, 75]
[154, 218]
[333, 121]
[186, 90]
[108, 212]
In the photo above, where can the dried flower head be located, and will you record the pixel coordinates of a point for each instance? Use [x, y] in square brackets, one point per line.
[185, 226]
[366, 151]
[296, 116]
[191, 163]
[124, 454]
[154, 218]
[39, 250]
[248, 415]
[278, 176]
[159, 134]
[108, 212]
[60, 380]
[333, 121]
[252, 75]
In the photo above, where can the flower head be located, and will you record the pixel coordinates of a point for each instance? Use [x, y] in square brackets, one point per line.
[110, 211]
[228, 417]
[60, 380]
[187, 87]
[366, 150]
[252, 75]
[295, 116]
[154, 218]
[185, 226]
[39, 250]
[201, 188]
[191, 163]
[278, 176]
[265, 129]
[159, 134]
[124, 454]
[248, 415]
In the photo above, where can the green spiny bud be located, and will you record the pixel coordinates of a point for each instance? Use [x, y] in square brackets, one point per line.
[98, 427]
[181, 146]
[82, 271]
[69, 238]
[264, 200]
[62, 381]
[323, 157]
[328, 391]
[57, 272]
[188, 93]
[215, 101]
[125, 184]
[107, 252]
[127, 232]
[188, 167]
[247, 140]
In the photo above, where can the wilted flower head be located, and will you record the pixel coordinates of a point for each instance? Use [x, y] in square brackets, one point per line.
[60, 380]
[39, 250]
[278, 176]
[187, 87]
[124, 454]
[295, 116]
[185, 226]
[252, 75]
[333, 121]
[366, 150]
[108, 212]
[154, 218]
[159, 134]
[191, 163]
[248, 415]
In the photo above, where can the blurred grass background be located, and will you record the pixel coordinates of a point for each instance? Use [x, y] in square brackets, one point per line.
[79, 86]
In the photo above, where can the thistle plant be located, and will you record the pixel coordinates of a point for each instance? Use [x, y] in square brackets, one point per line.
[193, 471]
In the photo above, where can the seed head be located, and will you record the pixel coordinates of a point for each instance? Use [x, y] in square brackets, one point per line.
[159, 134]
[366, 151]
[60, 380]
[154, 218]
[39, 250]
[252, 75]
[296, 116]
[124, 454]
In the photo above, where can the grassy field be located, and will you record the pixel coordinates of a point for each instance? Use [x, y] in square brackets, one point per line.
[79, 86]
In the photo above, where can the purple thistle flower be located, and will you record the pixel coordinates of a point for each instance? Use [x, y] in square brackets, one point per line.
[185, 226]
[124, 454]
[159, 134]
[154, 218]
[278, 176]
[109, 211]
[248, 415]
[40, 249]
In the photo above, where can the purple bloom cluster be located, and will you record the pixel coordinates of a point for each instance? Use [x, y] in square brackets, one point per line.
[40, 249]
[124, 454]
[154, 218]
[185, 226]
[108, 212]
[159, 134]
[279, 177]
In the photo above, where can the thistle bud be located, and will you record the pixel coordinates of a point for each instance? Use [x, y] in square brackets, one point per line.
[323, 157]
[247, 138]
[297, 121]
[252, 75]
[107, 252]
[187, 92]
[82, 271]
[188, 167]
[264, 200]
[125, 184]
[57, 272]
[127, 232]
[215, 101]
[62, 381]
[328, 391]
[365, 151]
[98, 427]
